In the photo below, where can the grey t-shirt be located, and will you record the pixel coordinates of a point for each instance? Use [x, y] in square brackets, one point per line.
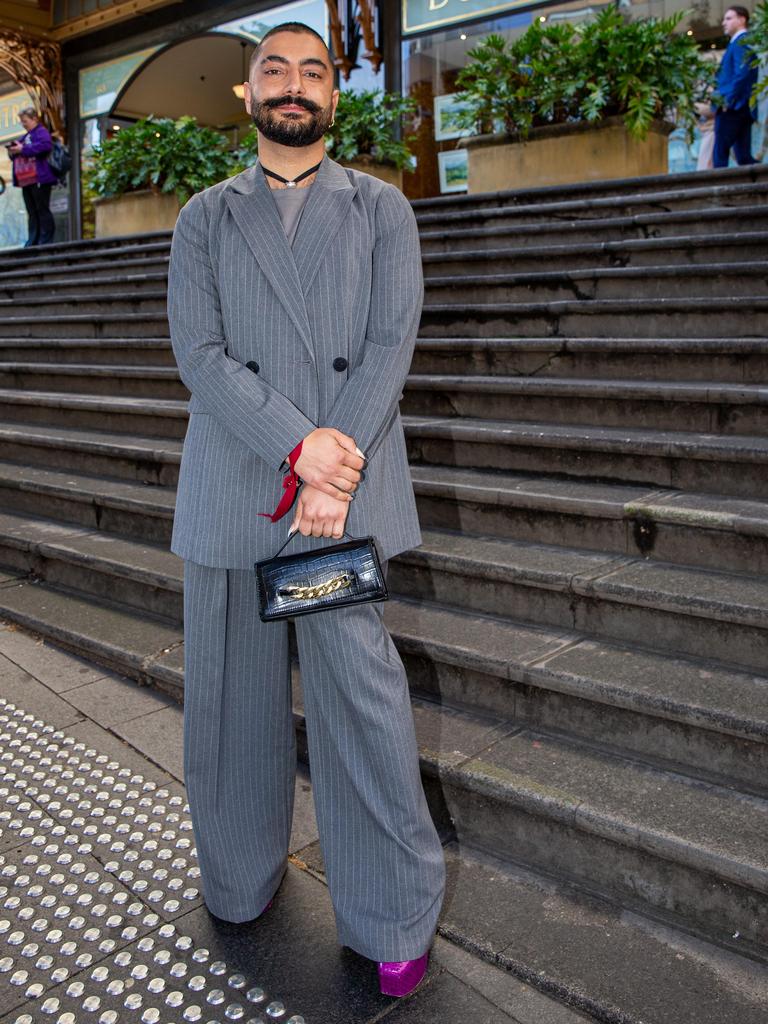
[290, 203]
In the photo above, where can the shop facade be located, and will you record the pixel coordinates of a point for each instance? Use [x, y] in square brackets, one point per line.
[188, 58]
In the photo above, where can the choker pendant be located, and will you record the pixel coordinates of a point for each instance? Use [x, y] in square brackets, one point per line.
[293, 182]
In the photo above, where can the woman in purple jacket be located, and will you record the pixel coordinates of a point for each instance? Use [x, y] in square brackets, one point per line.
[33, 175]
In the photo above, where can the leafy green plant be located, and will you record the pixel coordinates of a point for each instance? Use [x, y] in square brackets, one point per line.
[758, 40]
[640, 70]
[162, 155]
[366, 125]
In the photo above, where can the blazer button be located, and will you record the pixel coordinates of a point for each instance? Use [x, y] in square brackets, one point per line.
[254, 367]
[340, 364]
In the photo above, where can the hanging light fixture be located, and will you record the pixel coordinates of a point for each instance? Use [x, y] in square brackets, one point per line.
[239, 89]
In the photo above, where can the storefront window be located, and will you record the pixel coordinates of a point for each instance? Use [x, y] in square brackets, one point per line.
[13, 218]
[430, 64]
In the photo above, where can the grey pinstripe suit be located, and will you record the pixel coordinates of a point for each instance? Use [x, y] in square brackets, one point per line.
[351, 287]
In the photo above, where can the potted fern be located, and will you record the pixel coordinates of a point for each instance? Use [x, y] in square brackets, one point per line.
[144, 174]
[565, 103]
[367, 133]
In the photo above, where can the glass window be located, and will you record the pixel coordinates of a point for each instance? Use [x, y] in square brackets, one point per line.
[429, 69]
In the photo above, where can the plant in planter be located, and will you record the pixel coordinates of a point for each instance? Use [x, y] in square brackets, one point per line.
[758, 41]
[152, 167]
[365, 133]
[609, 72]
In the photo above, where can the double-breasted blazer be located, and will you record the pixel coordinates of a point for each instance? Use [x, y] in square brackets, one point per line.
[330, 324]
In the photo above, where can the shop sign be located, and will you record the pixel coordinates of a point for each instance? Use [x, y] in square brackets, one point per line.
[10, 105]
[101, 85]
[419, 15]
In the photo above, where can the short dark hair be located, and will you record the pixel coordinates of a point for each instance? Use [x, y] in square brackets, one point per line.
[298, 28]
[741, 11]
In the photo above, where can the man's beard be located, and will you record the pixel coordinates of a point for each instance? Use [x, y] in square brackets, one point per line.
[291, 129]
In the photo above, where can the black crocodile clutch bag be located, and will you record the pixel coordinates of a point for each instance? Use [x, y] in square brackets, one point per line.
[314, 581]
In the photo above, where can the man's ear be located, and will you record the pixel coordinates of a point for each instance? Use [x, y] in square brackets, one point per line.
[247, 96]
[335, 100]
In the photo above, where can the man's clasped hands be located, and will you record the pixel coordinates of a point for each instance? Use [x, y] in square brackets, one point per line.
[330, 465]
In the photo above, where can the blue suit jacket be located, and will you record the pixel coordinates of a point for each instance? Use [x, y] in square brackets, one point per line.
[736, 77]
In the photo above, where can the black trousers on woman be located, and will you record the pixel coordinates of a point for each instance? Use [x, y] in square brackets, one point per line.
[37, 199]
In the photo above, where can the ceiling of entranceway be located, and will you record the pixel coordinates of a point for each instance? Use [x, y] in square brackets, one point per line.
[193, 77]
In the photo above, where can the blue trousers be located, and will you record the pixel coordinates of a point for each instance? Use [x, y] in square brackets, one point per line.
[733, 131]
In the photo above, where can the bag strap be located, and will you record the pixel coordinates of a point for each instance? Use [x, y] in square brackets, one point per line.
[295, 533]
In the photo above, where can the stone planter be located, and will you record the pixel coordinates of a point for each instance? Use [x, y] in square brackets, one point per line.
[136, 213]
[565, 153]
[385, 172]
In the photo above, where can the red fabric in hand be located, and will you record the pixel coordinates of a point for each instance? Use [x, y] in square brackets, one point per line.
[291, 482]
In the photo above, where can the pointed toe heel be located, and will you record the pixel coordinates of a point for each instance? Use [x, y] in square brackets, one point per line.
[401, 977]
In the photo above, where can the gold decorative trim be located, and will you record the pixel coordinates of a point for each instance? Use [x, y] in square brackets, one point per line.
[35, 65]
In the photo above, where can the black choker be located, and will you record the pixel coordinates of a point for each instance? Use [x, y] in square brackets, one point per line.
[294, 181]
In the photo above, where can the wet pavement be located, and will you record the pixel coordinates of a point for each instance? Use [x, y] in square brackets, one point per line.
[101, 911]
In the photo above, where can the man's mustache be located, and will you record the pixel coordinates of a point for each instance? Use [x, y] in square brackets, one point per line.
[297, 101]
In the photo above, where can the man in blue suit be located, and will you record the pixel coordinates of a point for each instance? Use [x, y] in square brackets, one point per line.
[736, 79]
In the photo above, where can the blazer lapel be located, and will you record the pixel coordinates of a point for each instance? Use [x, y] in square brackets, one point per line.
[255, 213]
[327, 207]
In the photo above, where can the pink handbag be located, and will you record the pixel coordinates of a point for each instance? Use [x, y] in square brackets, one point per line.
[25, 169]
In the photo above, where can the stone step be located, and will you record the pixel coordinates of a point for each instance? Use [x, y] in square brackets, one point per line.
[144, 577]
[622, 696]
[679, 405]
[726, 280]
[112, 302]
[576, 946]
[706, 407]
[118, 284]
[654, 839]
[651, 839]
[707, 530]
[689, 611]
[90, 351]
[95, 453]
[85, 248]
[689, 716]
[85, 325]
[56, 471]
[724, 359]
[88, 379]
[682, 250]
[135, 510]
[639, 202]
[713, 185]
[708, 463]
[575, 231]
[87, 266]
[149, 417]
[702, 317]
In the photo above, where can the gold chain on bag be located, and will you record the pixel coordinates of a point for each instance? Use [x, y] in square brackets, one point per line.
[304, 593]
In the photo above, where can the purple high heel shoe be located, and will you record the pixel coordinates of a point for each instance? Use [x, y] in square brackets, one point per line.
[400, 978]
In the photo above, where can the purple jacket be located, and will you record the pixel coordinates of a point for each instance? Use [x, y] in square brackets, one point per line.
[38, 144]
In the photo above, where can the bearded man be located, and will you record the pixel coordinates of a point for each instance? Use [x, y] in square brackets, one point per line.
[295, 295]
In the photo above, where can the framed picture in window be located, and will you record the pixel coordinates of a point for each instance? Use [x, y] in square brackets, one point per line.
[453, 166]
[446, 109]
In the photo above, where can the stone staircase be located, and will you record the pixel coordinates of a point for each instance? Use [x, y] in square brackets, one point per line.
[585, 627]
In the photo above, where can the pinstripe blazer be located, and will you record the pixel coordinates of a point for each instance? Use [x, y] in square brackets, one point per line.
[351, 288]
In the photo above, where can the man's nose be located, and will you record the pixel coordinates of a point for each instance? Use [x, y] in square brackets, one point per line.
[295, 84]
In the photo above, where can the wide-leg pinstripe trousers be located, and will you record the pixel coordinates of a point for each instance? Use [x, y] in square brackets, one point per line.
[383, 858]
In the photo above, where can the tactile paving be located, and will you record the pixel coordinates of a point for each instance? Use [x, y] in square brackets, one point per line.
[97, 870]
